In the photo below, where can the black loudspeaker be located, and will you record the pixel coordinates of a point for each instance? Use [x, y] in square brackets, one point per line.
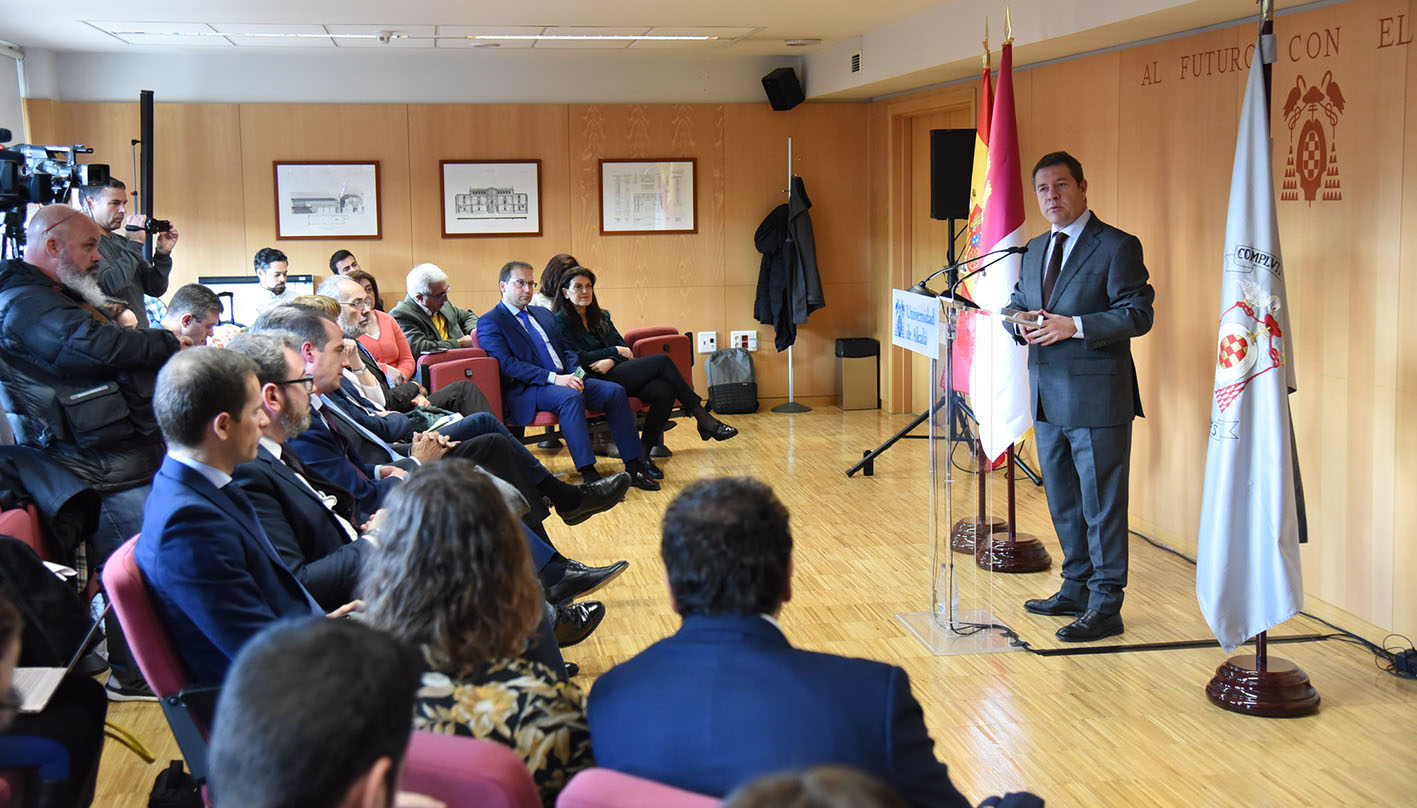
[951, 167]
[784, 90]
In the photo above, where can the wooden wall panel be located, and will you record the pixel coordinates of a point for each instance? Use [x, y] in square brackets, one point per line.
[1404, 444]
[197, 170]
[1154, 127]
[485, 132]
[271, 132]
[1182, 235]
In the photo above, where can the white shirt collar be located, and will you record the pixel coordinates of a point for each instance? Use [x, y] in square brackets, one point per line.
[516, 312]
[1075, 229]
[215, 476]
[272, 447]
[772, 620]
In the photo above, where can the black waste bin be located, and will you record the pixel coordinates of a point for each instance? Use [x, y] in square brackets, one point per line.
[859, 382]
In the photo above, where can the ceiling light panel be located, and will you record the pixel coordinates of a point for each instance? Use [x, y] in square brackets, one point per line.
[458, 36]
[721, 37]
[585, 36]
[275, 35]
[181, 34]
[366, 36]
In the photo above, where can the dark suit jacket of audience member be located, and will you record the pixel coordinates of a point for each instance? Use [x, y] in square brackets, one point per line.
[589, 346]
[214, 577]
[332, 457]
[502, 336]
[727, 699]
[496, 453]
[393, 428]
[419, 329]
[304, 532]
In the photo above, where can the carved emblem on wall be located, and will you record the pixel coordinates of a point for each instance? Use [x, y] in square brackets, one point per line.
[1312, 112]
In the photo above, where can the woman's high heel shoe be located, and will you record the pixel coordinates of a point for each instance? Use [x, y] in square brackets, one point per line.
[719, 431]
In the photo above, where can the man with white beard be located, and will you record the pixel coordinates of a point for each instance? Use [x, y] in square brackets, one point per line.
[79, 387]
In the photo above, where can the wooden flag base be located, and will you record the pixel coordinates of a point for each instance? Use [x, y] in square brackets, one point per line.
[1281, 690]
[966, 531]
[1022, 553]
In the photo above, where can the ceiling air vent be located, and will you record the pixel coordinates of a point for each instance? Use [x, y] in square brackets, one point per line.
[856, 62]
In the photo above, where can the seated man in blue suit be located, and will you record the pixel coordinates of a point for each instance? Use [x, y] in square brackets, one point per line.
[215, 578]
[539, 373]
[727, 698]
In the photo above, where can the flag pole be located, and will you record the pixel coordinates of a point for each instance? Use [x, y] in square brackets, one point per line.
[965, 533]
[1274, 688]
[1005, 550]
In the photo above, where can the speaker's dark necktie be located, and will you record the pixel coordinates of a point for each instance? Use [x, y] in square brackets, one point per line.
[1055, 266]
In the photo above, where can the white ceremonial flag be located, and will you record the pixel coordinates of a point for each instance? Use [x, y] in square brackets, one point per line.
[1252, 512]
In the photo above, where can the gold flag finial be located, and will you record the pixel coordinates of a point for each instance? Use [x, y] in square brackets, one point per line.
[986, 43]
[1266, 10]
[1008, 27]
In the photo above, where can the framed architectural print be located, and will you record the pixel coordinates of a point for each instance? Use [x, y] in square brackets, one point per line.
[490, 197]
[648, 196]
[335, 199]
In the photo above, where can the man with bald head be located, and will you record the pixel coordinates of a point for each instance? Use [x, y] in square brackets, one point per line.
[76, 385]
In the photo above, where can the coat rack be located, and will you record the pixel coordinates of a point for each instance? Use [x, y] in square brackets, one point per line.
[791, 405]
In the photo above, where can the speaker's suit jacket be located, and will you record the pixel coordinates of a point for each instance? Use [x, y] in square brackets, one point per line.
[1090, 381]
[214, 577]
[726, 699]
[304, 532]
[423, 335]
[1083, 394]
[504, 338]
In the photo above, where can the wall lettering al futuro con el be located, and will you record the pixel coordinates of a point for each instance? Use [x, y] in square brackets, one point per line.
[1388, 32]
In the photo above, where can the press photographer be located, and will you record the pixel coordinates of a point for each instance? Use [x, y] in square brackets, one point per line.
[123, 271]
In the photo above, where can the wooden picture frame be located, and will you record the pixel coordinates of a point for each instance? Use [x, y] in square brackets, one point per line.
[490, 198]
[327, 199]
[640, 196]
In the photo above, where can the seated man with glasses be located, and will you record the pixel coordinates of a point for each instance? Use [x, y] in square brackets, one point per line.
[429, 320]
[540, 373]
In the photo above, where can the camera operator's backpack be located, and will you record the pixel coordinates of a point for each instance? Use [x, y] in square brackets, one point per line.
[732, 387]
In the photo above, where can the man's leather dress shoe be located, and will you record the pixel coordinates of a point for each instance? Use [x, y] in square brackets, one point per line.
[1056, 605]
[601, 495]
[581, 580]
[576, 621]
[640, 479]
[1093, 625]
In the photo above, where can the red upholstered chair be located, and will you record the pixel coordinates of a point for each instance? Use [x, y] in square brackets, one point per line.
[188, 709]
[482, 371]
[662, 339]
[467, 772]
[603, 788]
[428, 360]
[23, 524]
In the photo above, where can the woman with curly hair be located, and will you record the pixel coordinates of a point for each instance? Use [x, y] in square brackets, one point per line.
[453, 577]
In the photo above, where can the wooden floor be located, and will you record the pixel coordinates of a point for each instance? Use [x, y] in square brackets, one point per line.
[1123, 729]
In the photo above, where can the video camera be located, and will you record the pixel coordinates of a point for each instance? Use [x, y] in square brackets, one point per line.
[42, 175]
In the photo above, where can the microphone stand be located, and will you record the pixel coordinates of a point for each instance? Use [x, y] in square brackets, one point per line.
[958, 431]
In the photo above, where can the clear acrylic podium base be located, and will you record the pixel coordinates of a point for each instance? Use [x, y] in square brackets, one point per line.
[942, 640]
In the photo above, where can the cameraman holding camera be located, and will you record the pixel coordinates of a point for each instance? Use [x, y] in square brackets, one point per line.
[123, 272]
[79, 387]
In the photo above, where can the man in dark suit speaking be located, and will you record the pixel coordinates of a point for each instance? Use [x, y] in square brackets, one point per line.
[1087, 281]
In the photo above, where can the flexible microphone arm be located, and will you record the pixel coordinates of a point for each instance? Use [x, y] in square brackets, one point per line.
[921, 289]
[1020, 250]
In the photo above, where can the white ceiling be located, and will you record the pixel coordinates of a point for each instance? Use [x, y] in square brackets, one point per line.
[105, 48]
[748, 26]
